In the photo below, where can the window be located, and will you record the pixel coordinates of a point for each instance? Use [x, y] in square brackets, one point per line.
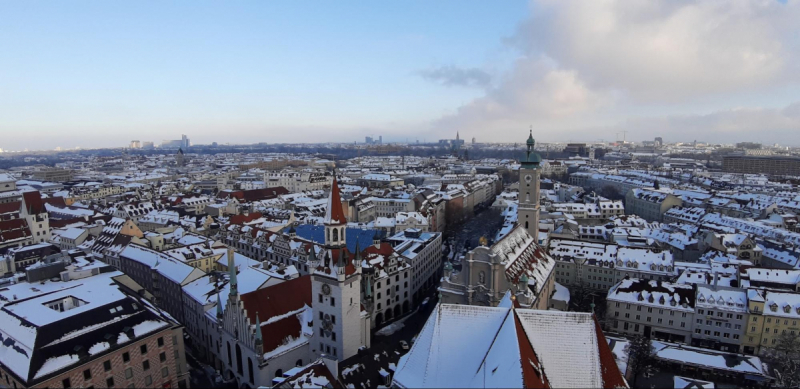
[320, 297]
[107, 365]
[333, 336]
[66, 383]
[110, 382]
[165, 371]
[333, 301]
[87, 374]
[162, 357]
[143, 349]
[128, 373]
[148, 380]
[160, 341]
[126, 357]
[146, 365]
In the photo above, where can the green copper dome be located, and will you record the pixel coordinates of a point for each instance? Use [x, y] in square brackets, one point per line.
[531, 159]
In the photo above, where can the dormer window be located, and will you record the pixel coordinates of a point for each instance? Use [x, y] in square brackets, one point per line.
[773, 307]
[787, 309]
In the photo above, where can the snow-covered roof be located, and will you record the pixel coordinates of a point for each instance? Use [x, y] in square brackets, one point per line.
[479, 347]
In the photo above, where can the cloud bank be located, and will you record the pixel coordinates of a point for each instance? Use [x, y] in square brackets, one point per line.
[584, 66]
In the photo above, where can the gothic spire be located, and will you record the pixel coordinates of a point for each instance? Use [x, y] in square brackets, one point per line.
[259, 338]
[232, 271]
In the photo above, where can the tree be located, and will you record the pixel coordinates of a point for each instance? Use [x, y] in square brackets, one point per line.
[785, 361]
[641, 357]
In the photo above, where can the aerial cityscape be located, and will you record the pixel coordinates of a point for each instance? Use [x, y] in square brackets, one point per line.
[526, 194]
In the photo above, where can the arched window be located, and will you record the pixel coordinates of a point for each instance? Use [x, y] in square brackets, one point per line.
[526, 225]
[230, 361]
[250, 370]
[278, 373]
[239, 367]
[299, 363]
[335, 234]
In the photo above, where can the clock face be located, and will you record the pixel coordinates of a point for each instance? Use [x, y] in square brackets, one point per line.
[326, 289]
[528, 178]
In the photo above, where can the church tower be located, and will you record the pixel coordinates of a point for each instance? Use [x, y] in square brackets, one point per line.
[529, 171]
[339, 328]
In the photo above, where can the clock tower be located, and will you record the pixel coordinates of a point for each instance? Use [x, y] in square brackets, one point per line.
[340, 328]
[529, 171]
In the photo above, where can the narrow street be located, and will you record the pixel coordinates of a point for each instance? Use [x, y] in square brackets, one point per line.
[466, 236]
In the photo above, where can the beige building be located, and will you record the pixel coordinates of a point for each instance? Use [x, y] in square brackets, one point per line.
[650, 204]
[772, 314]
[87, 332]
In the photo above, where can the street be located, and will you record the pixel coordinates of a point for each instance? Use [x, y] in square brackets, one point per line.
[467, 235]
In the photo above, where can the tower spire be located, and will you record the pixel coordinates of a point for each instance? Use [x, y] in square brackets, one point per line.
[219, 306]
[232, 270]
[259, 338]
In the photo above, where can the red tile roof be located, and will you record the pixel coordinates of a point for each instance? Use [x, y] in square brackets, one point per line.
[33, 202]
[533, 375]
[13, 229]
[264, 194]
[7, 210]
[278, 299]
[612, 377]
[242, 219]
[276, 333]
[335, 213]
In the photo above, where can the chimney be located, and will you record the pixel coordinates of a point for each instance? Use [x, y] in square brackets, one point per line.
[716, 280]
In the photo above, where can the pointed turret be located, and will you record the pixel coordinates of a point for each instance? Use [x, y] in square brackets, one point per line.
[334, 215]
[219, 306]
[232, 272]
[259, 338]
[357, 259]
[335, 221]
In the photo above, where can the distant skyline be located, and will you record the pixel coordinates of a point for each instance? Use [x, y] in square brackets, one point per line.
[100, 74]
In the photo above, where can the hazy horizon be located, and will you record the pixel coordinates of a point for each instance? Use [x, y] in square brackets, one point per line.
[98, 74]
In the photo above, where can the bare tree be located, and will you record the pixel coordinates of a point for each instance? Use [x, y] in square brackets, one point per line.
[785, 360]
[641, 357]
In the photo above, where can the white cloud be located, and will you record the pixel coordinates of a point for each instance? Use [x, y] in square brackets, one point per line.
[585, 64]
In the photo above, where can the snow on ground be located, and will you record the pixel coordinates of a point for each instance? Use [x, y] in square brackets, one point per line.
[619, 347]
[396, 326]
[390, 329]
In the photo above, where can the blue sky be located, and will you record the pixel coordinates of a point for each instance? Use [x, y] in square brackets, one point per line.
[98, 74]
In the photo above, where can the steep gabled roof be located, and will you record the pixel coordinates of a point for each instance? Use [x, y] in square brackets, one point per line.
[33, 203]
[278, 299]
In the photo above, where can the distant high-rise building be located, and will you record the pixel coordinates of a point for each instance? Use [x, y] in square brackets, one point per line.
[659, 141]
[135, 144]
[380, 140]
[148, 145]
[473, 140]
[185, 143]
[368, 140]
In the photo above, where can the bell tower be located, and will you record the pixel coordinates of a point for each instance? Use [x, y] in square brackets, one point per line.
[529, 171]
[339, 327]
